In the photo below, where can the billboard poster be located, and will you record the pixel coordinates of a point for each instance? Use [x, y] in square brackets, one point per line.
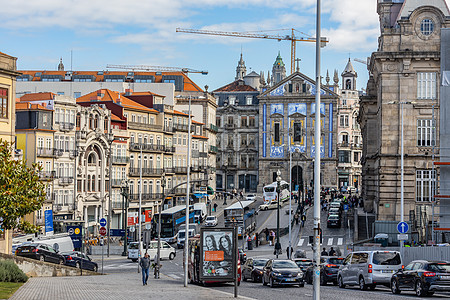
[48, 218]
[219, 254]
[75, 233]
[132, 218]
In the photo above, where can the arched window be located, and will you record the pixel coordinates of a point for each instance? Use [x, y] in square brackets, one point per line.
[150, 162]
[132, 138]
[78, 120]
[139, 161]
[105, 124]
[145, 190]
[131, 161]
[96, 122]
[140, 139]
[91, 159]
[145, 139]
[91, 122]
[151, 139]
[145, 166]
[158, 162]
[150, 187]
[158, 186]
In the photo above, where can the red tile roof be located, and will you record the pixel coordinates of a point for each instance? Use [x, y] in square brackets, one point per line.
[176, 112]
[199, 123]
[236, 86]
[199, 137]
[6, 54]
[37, 96]
[30, 106]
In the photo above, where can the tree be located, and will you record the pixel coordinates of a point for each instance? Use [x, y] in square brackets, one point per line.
[21, 191]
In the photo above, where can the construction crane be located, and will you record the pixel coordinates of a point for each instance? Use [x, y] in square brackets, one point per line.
[155, 68]
[365, 62]
[279, 38]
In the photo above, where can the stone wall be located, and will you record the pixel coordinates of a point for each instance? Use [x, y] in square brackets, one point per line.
[36, 268]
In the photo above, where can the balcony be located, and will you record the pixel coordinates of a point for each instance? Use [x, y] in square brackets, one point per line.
[57, 207]
[45, 152]
[170, 149]
[65, 126]
[182, 191]
[169, 129]
[213, 149]
[229, 126]
[169, 170]
[344, 145]
[180, 127]
[203, 154]
[117, 204]
[146, 171]
[73, 153]
[65, 180]
[180, 170]
[46, 175]
[145, 196]
[116, 182]
[213, 128]
[146, 147]
[120, 160]
[144, 126]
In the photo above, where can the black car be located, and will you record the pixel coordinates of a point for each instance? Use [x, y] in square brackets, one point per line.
[282, 272]
[423, 277]
[40, 252]
[79, 260]
[253, 268]
[303, 264]
[334, 221]
[329, 266]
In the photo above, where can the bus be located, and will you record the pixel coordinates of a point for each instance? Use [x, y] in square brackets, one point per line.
[233, 216]
[270, 192]
[171, 220]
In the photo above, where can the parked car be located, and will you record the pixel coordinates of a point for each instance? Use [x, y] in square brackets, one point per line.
[424, 277]
[272, 205]
[334, 211]
[329, 266]
[369, 268]
[336, 204]
[253, 269]
[79, 260]
[211, 221]
[40, 252]
[250, 197]
[282, 272]
[300, 253]
[303, 264]
[334, 221]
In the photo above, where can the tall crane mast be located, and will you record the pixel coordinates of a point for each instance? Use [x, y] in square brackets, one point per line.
[292, 38]
[155, 68]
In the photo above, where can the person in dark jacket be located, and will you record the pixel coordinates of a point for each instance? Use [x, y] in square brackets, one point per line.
[145, 265]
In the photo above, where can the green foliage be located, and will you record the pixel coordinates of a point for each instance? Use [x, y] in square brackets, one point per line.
[10, 272]
[21, 191]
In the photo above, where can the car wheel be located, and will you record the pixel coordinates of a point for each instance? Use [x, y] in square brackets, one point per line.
[362, 284]
[134, 259]
[95, 268]
[394, 287]
[341, 282]
[77, 265]
[271, 283]
[335, 282]
[264, 281]
[42, 258]
[171, 256]
[419, 289]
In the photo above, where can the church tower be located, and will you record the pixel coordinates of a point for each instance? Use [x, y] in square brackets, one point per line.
[60, 65]
[278, 70]
[349, 77]
[241, 70]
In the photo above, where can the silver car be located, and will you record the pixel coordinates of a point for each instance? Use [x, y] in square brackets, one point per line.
[369, 268]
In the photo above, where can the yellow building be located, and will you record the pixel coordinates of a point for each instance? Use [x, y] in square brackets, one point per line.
[8, 74]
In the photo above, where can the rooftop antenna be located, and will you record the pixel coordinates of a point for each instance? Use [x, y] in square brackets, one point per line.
[71, 60]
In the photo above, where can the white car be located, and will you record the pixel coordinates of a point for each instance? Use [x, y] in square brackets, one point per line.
[167, 251]
[268, 206]
[250, 197]
[211, 221]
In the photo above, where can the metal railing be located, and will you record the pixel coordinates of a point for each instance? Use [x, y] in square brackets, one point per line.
[116, 182]
[146, 147]
[169, 149]
[146, 171]
[65, 180]
[180, 127]
[136, 125]
[213, 149]
[66, 126]
[213, 127]
[120, 159]
[145, 196]
[46, 174]
[181, 170]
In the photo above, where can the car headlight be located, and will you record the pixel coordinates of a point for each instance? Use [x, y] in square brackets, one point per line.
[300, 274]
[276, 274]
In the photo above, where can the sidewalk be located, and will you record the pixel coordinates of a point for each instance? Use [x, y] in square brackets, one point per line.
[113, 286]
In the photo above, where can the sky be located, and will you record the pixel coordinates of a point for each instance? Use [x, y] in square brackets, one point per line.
[95, 33]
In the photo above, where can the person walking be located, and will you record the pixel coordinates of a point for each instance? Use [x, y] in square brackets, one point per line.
[145, 265]
[332, 252]
[303, 220]
[324, 252]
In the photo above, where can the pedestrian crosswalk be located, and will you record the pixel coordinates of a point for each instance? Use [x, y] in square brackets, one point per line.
[326, 241]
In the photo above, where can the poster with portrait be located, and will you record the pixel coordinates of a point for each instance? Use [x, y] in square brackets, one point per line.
[218, 257]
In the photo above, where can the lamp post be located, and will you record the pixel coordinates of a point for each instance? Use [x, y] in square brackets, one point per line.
[186, 244]
[124, 191]
[277, 244]
[225, 166]
[163, 184]
[110, 140]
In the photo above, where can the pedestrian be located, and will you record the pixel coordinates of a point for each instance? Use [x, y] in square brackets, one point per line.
[303, 220]
[266, 232]
[332, 252]
[257, 239]
[296, 218]
[324, 252]
[215, 207]
[145, 265]
[289, 251]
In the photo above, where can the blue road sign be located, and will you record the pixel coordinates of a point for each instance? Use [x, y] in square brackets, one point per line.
[402, 227]
[76, 235]
[103, 222]
[48, 217]
[345, 206]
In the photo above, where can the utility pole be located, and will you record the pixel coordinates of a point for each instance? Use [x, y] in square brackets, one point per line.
[186, 243]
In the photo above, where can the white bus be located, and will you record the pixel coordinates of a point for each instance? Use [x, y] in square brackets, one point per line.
[244, 219]
[270, 192]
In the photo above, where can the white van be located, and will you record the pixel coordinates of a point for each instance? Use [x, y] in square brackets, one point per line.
[60, 244]
[181, 237]
[199, 212]
[166, 251]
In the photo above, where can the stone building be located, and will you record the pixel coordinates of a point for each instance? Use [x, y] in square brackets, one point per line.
[402, 92]
[286, 125]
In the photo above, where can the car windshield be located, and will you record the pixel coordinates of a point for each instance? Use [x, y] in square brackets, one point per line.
[269, 189]
[284, 264]
[210, 219]
[181, 234]
[333, 217]
[301, 263]
[336, 261]
[439, 267]
[259, 262]
[133, 246]
[386, 258]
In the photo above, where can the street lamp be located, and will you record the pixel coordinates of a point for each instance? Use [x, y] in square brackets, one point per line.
[163, 184]
[225, 166]
[278, 245]
[110, 141]
[124, 191]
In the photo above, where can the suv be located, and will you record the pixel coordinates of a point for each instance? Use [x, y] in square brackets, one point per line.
[369, 268]
[211, 221]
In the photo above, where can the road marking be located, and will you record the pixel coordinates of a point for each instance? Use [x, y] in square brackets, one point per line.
[330, 241]
[340, 241]
[174, 276]
[300, 242]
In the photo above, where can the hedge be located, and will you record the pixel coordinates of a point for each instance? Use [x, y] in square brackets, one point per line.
[10, 272]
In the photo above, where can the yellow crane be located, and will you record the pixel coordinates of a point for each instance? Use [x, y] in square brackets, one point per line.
[292, 38]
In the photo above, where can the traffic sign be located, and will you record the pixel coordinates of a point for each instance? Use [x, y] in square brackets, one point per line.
[103, 222]
[402, 227]
[345, 206]
[102, 231]
[402, 237]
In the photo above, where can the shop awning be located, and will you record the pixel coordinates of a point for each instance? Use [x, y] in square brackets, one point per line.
[200, 195]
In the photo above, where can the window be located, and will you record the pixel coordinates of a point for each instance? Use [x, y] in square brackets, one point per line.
[243, 140]
[276, 132]
[356, 157]
[425, 133]
[244, 121]
[297, 132]
[4, 103]
[425, 185]
[251, 121]
[232, 100]
[427, 27]
[249, 100]
[344, 156]
[41, 143]
[344, 139]
[343, 120]
[48, 143]
[426, 85]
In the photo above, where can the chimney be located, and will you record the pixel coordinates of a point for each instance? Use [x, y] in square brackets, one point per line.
[128, 92]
